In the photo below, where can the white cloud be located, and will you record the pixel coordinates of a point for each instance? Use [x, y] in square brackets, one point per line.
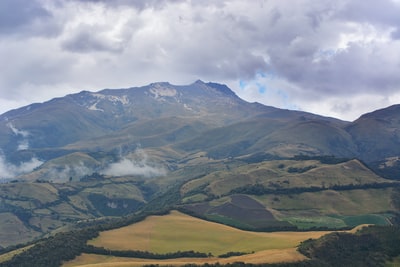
[9, 171]
[318, 50]
[129, 167]
[22, 135]
[64, 172]
[16, 131]
[137, 164]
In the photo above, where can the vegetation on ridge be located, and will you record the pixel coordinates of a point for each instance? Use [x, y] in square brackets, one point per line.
[219, 158]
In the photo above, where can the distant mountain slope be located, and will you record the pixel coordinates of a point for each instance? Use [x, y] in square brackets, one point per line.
[181, 120]
[156, 115]
[283, 137]
[377, 134]
[199, 147]
[87, 115]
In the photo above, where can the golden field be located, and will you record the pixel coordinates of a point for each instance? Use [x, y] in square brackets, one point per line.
[179, 232]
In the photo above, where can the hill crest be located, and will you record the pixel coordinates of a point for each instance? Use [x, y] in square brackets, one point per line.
[195, 118]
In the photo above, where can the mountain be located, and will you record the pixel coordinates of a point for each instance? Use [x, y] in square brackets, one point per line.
[377, 134]
[178, 121]
[88, 157]
[157, 115]
[87, 115]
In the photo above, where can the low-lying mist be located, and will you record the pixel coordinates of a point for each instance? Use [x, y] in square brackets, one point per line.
[136, 164]
[22, 135]
[9, 170]
[73, 169]
[66, 172]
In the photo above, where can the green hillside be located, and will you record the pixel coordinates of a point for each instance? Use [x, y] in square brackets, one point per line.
[35, 209]
[290, 193]
[105, 159]
[274, 194]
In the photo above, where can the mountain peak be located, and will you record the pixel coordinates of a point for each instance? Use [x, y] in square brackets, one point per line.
[199, 82]
[222, 88]
[156, 84]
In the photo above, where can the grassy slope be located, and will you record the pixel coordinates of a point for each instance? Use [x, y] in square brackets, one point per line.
[333, 202]
[328, 208]
[45, 207]
[13, 231]
[28, 210]
[283, 135]
[159, 234]
[310, 136]
[266, 256]
[277, 172]
[177, 231]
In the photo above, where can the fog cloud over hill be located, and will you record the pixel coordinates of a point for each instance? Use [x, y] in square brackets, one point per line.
[22, 135]
[138, 164]
[9, 171]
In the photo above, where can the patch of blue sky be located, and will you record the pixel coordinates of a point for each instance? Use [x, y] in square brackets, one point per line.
[243, 84]
[261, 88]
[269, 88]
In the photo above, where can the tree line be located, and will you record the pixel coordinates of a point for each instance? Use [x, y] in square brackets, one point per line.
[260, 189]
[371, 246]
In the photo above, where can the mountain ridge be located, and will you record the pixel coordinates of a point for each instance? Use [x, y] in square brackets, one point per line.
[199, 117]
[222, 88]
[86, 157]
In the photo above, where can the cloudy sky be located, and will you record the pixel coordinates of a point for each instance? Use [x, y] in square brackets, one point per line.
[338, 58]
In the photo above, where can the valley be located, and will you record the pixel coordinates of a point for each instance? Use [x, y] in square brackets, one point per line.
[110, 169]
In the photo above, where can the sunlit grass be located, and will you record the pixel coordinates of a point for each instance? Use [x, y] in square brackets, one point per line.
[266, 256]
[179, 232]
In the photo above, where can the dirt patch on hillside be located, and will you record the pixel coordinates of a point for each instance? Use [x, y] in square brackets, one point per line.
[242, 209]
[246, 210]
[246, 202]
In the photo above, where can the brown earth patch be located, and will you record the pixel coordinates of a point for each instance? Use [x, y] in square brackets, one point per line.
[245, 210]
[242, 209]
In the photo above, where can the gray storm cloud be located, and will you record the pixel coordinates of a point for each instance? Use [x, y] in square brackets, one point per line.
[317, 55]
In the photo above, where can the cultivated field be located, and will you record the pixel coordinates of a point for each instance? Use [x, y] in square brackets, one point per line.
[180, 232]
